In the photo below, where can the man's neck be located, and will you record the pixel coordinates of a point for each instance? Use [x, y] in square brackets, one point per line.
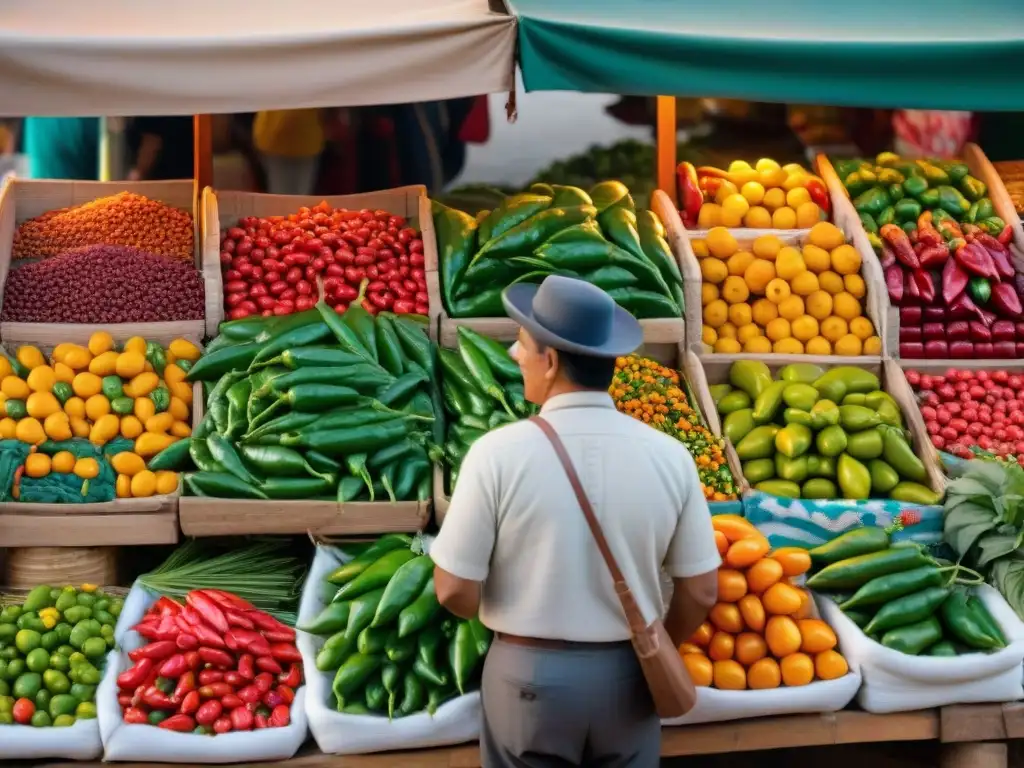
[567, 388]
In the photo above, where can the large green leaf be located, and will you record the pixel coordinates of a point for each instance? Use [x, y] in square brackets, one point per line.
[994, 546]
[965, 523]
[971, 487]
[1008, 577]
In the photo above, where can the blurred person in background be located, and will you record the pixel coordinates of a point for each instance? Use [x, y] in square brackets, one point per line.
[160, 148]
[289, 142]
[62, 147]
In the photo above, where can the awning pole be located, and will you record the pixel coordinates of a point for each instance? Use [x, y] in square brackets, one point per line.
[203, 153]
[666, 145]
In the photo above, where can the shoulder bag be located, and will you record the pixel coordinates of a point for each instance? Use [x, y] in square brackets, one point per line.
[671, 688]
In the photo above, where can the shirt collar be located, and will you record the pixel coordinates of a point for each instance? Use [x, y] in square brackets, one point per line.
[578, 400]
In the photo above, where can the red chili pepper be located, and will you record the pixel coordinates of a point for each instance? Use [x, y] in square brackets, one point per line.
[900, 244]
[132, 678]
[154, 698]
[222, 725]
[230, 701]
[281, 716]
[208, 637]
[294, 677]
[186, 684]
[236, 619]
[271, 699]
[159, 650]
[235, 680]
[286, 693]
[253, 642]
[925, 285]
[180, 723]
[210, 676]
[174, 667]
[216, 657]
[261, 721]
[166, 607]
[186, 642]
[245, 667]
[976, 260]
[990, 243]
[215, 690]
[1006, 299]
[1003, 264]
[208, 609]
[954, 281]
[933, 256]
[241, 719]
[285, 652]
[183, 626]
[135, 716]
[209, 712]
[192, 616]
[144, 686]
[147, 629]
[231, 640]
[124, 700]
[930, 237]
[250, 694]
[1006, 235]
[285, 635]
[267, 664]
[190, 703]
[167, 629]
[819, 194]
[193, 660]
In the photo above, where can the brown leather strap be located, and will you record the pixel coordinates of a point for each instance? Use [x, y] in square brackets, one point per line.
[629, 606]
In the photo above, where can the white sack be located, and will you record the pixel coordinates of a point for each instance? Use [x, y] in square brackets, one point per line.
[80, 741]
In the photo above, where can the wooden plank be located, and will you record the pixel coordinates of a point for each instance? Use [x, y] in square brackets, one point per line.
[1013, 719]
[119, 529]
[972, 722]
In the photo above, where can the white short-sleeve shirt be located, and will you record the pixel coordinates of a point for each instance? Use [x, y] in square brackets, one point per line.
[514, 522]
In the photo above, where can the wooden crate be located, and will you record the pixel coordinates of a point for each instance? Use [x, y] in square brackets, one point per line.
[221, 210]
[22, 199]
[892, 380]
[669, 330]
[849, 221]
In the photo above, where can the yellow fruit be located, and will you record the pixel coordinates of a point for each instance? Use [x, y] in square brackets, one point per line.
[834, 328]
[708, 335]
[37, 465]
[854, 285]
[797, 669]
[731, 219]
[767, 247]
[804, 284]
[41, 404]
[789, 263]
[61, 351]
[135, 344]
[172, 374]
[41, 379]
[75, 406]
[166, 482]
[784, 218]
[736, 205]
[710, 216]
[774, 199]
[161, 422]
[144, 409]
[700, 248]
[180, 390]
[727, 347]
[727, 331]
[777, 290]
[778, 329]
[862, 328]
[734, 290]
[739, 315]
[79, 426]
[131, 427]
[738, 262]
[846, 306]
[143, 484]
[128, 463]
[63, 373]
[818, 346]
[872, 346]
[726, 189]
[788, 347]
[817, 259]
[97, 406]
[130, 364]
[795, 168]
[830, 282]
[758, 345]
[708, 293]
[845, 260]
[830, 665]
[181, 429]
[151, 443]
[87, 384]
[184, 350]
[100, 342]
[752, 192]
[14, 388]
[123, 487]
[713, 270]
[805, 328]
[746, 332]
[8, 427]
[791, 308]
[77, 358]
[29, 430]
[758, 217]
[145, 383]
[6, 369]
[764, 312]
[178, 409]
[848, 346]
[104, 364]
[807, 215]
[826, 235]
[63, 462]
[764, 674]
[772, 177]
[766, 164]
[58, 426]
[105, 429]
[797, 178]
[729, 675]
[797, 197]
[721, 244]
[758, 275]
[715, 314]
[782, 635]
[700, 669]
[30, 356]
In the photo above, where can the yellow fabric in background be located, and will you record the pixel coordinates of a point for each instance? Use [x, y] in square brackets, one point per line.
[288, 132]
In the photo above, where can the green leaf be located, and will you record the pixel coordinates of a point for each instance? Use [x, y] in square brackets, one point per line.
[993, 547]
[970, 487]
[993, 476]
[1013, 508]
[1008, 577]
[965, 523]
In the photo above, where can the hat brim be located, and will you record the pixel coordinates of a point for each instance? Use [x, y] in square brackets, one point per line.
[626, 334]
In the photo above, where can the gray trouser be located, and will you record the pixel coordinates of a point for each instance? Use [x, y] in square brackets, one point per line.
[567, 707]
[290, 175]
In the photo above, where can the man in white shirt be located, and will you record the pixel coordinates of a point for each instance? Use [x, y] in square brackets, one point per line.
[562, 685]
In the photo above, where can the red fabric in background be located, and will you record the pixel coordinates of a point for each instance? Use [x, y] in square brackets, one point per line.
[477, 127]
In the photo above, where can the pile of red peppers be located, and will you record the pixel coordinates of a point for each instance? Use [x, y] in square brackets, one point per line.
[213, 665]
[956, 287]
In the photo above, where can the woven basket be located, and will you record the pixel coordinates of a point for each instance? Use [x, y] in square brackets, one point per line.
[30, 566]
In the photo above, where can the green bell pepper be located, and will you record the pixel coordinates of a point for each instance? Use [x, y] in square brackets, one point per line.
[872, 202]
[915, 186]
[935, 175]
[973, 189]
[887, 216]
[868, 222]
[907, 210]
[952, 202]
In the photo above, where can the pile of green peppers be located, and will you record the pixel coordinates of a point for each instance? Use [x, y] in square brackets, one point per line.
[59, 487]
[598, 236]
[901, 597]
[894, 190]
[482, 388]
[316, 405]
[393, 650]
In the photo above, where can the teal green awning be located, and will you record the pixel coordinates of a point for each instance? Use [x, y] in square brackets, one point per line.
[870, 53]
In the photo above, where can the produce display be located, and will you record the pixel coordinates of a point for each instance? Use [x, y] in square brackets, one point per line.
[277, 265]
[212, 665]
[763, 196]
[761, 633]
[598, 236]
[901, 597]
[122, 219]
[963, 409]
[104, 284]
[53, 647]
[958, 292]
[87, 423]
[393, 650]
[653, 394]
[784, 299]
[317, 405]
[482, 389]
[819, 434]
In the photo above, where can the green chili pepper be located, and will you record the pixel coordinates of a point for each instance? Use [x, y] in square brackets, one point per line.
[312, 398]
[887, 216]
[952, 202]
[915, 186]
[908, 210]
[482, 635]
[417, 347]
[290, 422]
[364, 326]
[495, 355]
[985, 209]
[869, 223]
[260, 329]
[345, 573]
[315, 357]
[429, 674]
[375, 576]
[222, 361]
[298, 487]
[353, 417]
[463, 656]
[222, 485]
[321, 464]
[156, 357]
[485, 303]
[201, 456]
[302, 336]
[335, 650]
[224, 454]
[389, 348]
[238, 399]
[963, 623]
[174, 457]
[428, 642]
[362, 610]
[854, 572]
[400, 649]
[482, 376]
[943, 648]
[161, 398]
[353, 674]
[403, 387]
[376, 696]
[885, 588]
[872, 202]
[420, 612]
[513, 210]
[913, 638]
[372, 640]
[908, 609]
[278, 461]
[347, 338]
[349, 489]
[414, 695]
[409, 474]
[333, 618]
[343, 441]
[403, 589]
[860, 618]
[355, 464]
[527, 235]
[895, 191]
[929, 199]
[645, 304]
[394, 452]
[986, 620]
[456, 242]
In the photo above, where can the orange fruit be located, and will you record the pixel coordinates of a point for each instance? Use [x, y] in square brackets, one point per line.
[734, 527]
[862, 328]
[826, 235]
[702, 637]
[789, 263]
[732, 585]
[806, 605]
[724, 190]
[767, 247]
[700, 668]
[830, 665]
[764, 311]
[721, 542]
[784, 218]
[752, 612]
[747, 551]
[752, 192]
[774, 199]
[791, 308]
[758, 275]
[699, 248]
[797, 669]
[794, 560]
[734, 207]
[777, 290]
[727, 330]
[788, 346]
[807, 215]
[708, 334]
[848, 346]
[729, 676]
[722, 646]
[717, 313]
[764, 674]
[757, 345]
[778, 329]
[854, 284]
[713, 270]
[797, 197]
[819, 304]
[690, 648]
[726, 617]
[817, 636]
[846, 306]
[781, 599]
[817, 259]
[763, 574]
[872, 346]
[728, 346]
[804, 284]
[734, 289]
[782, 635]
[819, 345]
[710, 216]
[740, 314]
[804, 328]
[833, 328]
[738, 262]
[830, 282]
[758, 217]
[747, 332]
[721, 244]
[749, 648]
[846, 260]
[709, 292]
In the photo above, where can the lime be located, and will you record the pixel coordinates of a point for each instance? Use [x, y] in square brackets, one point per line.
[56, 681]
[63, 630]
[94, 647]
[85, 711]
[77, 658]
[103, 617]
[60, 661]
[5, 689]
[41, 720]
[66, 600]
[65, 650]
[27, 640]
[50, 641]
[6, 703]
[27, 685]
[63, 704]
[63, 721]
[10, 652]
[42, 699]
[7, 632]
[15, 669]
[83, 692]
[10, 613]
[37, 660]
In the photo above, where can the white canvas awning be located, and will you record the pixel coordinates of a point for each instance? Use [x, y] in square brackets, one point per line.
[147, 57]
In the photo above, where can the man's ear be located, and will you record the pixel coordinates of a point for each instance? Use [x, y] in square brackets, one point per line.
[551, 357]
